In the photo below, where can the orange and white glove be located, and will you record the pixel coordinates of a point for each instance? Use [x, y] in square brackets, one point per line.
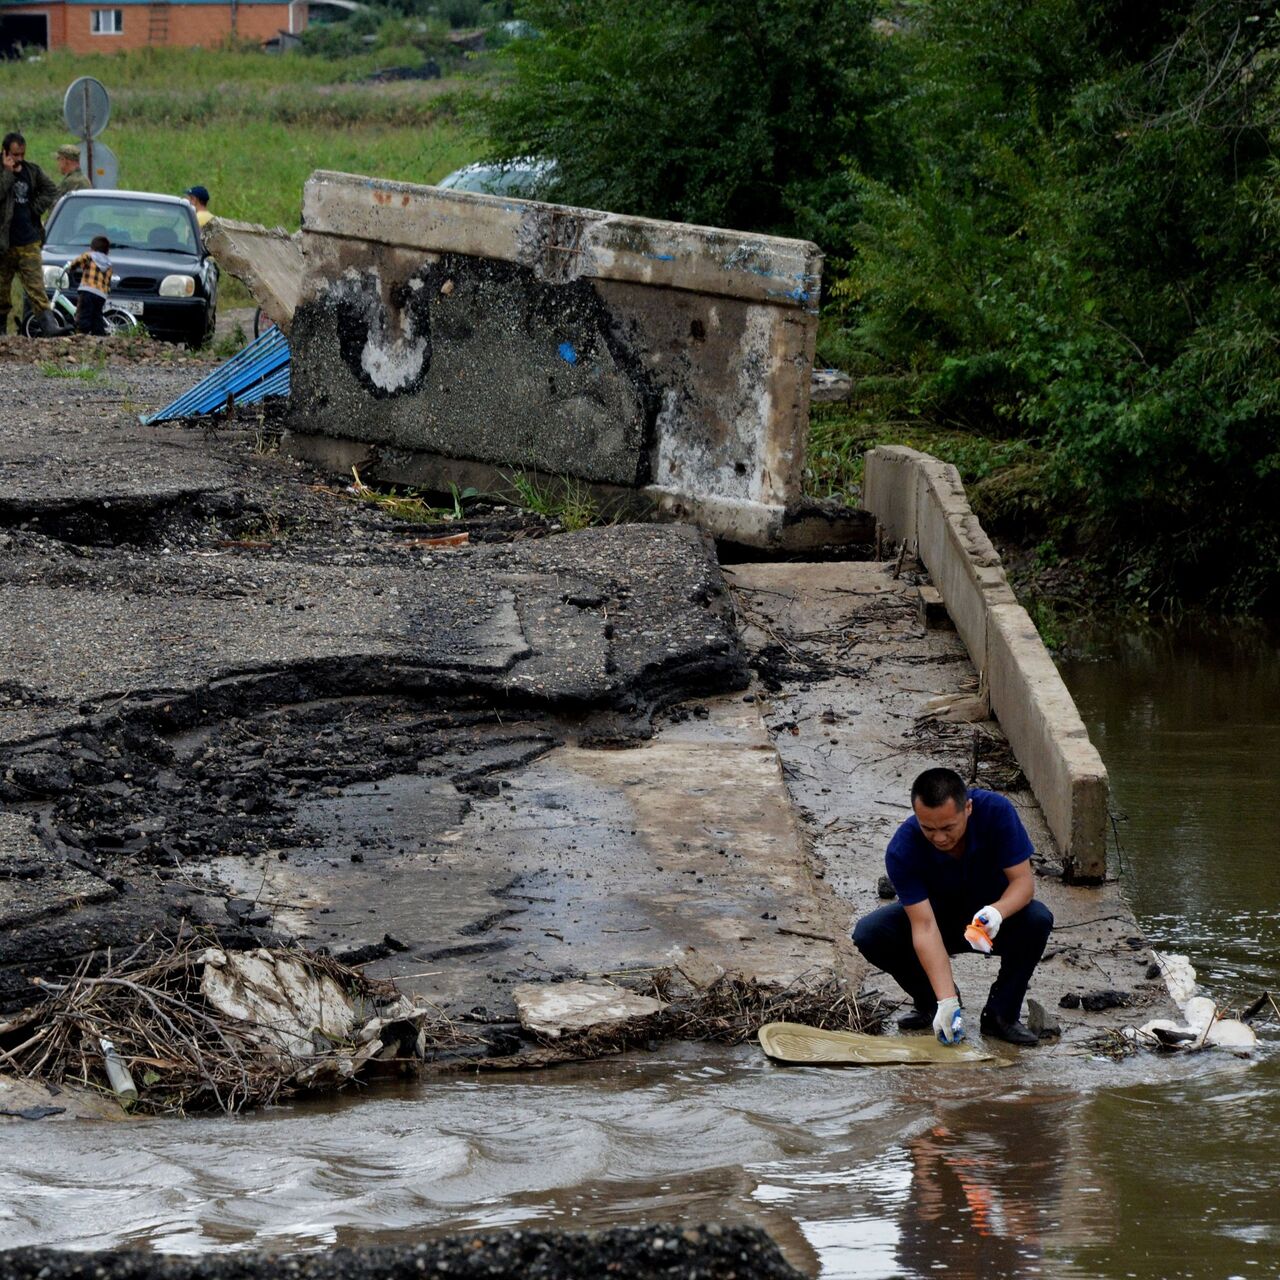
[981, 933]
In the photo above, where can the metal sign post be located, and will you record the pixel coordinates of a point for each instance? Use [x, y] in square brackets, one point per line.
[86, 108]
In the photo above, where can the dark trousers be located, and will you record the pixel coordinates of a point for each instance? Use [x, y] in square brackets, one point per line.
[884, 937]
[89, 314]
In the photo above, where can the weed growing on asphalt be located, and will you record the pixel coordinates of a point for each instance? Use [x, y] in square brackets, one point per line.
[567, 501]
[80, 372]
[411, 506]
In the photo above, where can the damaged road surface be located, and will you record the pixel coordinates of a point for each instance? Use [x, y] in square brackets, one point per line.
[246, 703]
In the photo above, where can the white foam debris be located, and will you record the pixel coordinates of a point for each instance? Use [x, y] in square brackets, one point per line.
[1201, 1027]
[1231, 1033]
[1179, 976]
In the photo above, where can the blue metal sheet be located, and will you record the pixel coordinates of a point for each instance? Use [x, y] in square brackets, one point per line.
[260, 370]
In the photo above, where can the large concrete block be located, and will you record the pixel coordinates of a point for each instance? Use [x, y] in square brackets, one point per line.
[616, 350]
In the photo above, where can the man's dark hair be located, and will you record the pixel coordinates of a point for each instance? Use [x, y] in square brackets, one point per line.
[935, 787]
[10, 139]
[100, 244]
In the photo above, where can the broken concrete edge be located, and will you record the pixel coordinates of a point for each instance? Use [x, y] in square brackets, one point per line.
[803, 526]
[921, 501]
[562, 242]
[434, 473]
[266, 260]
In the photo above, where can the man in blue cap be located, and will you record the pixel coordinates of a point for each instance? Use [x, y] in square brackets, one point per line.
[198, 199]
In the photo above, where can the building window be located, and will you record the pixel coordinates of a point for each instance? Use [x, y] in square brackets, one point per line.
[107, 22]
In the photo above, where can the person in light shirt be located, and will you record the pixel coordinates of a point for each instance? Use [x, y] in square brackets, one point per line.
[198, 199]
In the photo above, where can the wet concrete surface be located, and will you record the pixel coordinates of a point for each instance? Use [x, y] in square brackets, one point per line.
[853, 726]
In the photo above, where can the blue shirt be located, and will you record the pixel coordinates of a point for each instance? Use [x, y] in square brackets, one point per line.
[994, 840]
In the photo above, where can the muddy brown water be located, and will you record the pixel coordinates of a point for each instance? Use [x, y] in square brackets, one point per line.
[1057, 1167]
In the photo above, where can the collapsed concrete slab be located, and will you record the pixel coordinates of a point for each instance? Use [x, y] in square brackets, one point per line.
[268, 261]
[443, 331]
[551, 1010]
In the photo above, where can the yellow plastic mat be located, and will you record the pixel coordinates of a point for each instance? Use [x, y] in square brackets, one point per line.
[791, 1042]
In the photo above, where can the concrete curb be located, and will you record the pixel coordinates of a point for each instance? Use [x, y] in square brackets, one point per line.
[921, 501]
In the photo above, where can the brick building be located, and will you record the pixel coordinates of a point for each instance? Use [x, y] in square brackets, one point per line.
[104, 26]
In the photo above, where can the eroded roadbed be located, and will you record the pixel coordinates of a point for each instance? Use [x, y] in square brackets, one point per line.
[242, 703]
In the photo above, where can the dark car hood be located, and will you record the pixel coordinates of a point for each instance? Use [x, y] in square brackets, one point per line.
[132, 261]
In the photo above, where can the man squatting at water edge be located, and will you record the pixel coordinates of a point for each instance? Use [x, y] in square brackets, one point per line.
[961, 867]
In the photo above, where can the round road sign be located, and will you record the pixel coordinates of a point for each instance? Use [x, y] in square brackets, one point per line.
[100, 163]
[86, 107]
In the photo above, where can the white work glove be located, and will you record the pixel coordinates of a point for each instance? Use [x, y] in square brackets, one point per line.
[987, 922]
[948, 1022]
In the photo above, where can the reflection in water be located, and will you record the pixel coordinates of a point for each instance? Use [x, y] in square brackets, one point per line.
[985, 1190]
[1062, 1167]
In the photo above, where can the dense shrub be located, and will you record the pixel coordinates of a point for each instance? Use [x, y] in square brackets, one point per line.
[738, 113]
[1084, 252]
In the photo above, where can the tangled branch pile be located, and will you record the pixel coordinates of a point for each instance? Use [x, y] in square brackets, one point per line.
[201, 1028]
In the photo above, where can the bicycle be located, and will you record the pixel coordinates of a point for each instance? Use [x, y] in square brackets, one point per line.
[116, 318]
[261, 323]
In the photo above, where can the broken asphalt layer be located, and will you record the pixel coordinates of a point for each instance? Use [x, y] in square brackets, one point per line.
[660, 1252]
[200, 648]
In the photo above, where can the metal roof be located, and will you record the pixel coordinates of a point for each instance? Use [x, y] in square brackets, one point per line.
[260, 370]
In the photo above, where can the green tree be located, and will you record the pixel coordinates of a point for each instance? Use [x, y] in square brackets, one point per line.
[738, 113]
[1083, 250]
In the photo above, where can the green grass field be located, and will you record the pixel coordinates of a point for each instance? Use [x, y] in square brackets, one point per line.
[248, 125]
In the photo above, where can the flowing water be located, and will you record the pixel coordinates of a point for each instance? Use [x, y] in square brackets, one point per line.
[1060, 1167]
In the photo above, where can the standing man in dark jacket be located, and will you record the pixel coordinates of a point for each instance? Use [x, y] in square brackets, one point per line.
[26, 194]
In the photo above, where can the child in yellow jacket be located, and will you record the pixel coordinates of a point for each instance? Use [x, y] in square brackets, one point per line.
[95, 286]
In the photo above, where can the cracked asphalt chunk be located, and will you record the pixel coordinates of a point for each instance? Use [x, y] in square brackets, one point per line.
[215, 659]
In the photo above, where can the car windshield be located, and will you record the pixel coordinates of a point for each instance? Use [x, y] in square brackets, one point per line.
[521, 177]
[155, 225]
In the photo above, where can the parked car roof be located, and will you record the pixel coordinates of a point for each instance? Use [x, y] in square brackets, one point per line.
[525, 176]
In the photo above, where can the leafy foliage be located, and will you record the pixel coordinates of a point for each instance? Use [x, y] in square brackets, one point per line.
[739, 113]
[1084, 254]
